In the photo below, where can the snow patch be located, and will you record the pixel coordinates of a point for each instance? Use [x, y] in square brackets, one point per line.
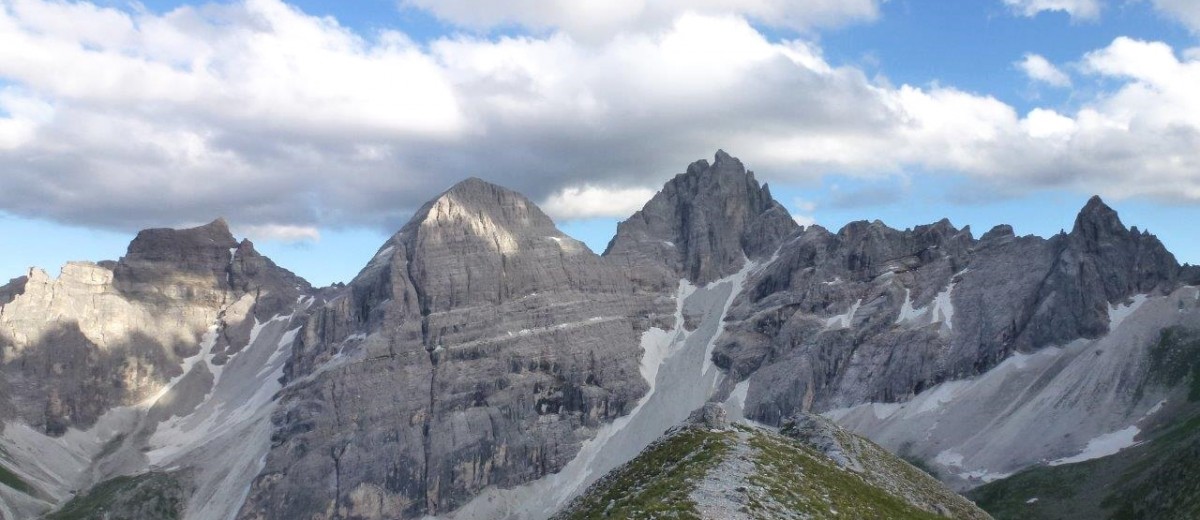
[943, 307]
[1154, 409]
[678, 365]
[656, 342]
[907, 312]
[1118, 313]
[843, 321]
[1103, 446]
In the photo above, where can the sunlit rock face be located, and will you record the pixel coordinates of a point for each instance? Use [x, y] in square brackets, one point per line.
[480, 347]
[485, 365]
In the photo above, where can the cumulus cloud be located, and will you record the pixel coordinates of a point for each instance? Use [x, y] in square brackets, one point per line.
[279, 232]
[594, 19]
[1039, 69]
[804, 220]
[591, 201]
[1077, 9]
[1186, 11]
[271, 117]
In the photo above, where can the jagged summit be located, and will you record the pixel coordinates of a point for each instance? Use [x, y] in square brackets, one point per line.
[704, 223]
[1097, 218]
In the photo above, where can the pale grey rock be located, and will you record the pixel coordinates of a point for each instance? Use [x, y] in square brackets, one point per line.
[820, 434]
[702, 226]
[873, 314]
[711, 416]
[486, 347]
[101, 336]
[12, 289]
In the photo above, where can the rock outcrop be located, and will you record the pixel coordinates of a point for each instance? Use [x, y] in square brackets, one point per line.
[872, 314]
[105, 335]
[480, 350]
[480, 347]
[104, 353]
[702, 226]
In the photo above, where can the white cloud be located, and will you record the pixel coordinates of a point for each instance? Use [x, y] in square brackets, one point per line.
[804, 206]
[1038, 68]
[1186, 11]
[592, 201]
[804, 220]
[280, 233]
[271, 117]
[595, 19]
[1078, 9]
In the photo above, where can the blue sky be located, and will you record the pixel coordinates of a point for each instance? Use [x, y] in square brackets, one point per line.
[316, 128]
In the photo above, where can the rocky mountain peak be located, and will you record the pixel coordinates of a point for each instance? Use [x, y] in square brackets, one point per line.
[1097, 219]
[182, 245]
[1125, 261]
[484, 208]
[705, 223]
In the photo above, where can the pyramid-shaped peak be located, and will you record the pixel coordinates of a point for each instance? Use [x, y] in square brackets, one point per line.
[706, 222]
[1096, 205]
[483, 207]
[1096, 217]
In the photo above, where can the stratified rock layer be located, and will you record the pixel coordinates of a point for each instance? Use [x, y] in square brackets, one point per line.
[479, 347]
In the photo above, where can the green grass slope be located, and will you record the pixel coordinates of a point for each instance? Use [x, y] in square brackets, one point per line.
[748, 472]
[149, 496]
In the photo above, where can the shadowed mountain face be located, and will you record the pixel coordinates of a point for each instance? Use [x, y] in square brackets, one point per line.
[482, 358]
[876, 314]
[703, 225]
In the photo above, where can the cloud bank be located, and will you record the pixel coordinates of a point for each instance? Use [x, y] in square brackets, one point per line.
[285, 122]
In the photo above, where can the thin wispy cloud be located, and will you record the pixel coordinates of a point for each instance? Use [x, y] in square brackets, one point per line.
[1040, 70]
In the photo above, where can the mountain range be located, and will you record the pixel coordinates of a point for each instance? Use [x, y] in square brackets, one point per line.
[483, 364]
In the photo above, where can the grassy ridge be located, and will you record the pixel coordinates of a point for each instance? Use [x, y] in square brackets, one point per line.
[789, 480]
[157, 496]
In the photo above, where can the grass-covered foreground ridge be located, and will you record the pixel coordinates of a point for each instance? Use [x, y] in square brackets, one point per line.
[155, 495]
[658, 482]
[815, 471]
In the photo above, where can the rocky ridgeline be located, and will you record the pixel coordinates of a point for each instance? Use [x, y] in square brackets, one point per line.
[874, 314]
[480, 348]
[111, 334]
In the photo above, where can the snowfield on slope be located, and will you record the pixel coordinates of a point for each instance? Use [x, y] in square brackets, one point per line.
[678, 365]
[1057, 405]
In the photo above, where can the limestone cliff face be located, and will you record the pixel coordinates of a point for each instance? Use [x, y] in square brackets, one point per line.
[480, 347]
[111, 334]
[876, 314]
[702, 226]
